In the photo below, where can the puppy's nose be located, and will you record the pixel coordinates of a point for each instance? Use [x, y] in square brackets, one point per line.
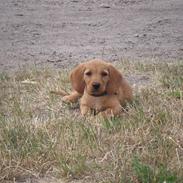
[96, 85]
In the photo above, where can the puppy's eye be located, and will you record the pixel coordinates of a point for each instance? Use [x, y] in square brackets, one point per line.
[104, 73]
[88, 73]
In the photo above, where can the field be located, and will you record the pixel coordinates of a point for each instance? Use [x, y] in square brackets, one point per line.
[42, 138]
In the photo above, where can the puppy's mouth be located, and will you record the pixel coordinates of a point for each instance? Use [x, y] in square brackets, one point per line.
[97, 93]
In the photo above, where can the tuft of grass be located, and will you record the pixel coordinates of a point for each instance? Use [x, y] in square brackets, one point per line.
[145, 173]
[42, 136]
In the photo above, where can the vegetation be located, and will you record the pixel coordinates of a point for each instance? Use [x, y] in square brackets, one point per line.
[40, 135]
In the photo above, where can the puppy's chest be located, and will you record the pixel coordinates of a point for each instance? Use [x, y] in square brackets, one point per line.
[98, 103]
[94, 102]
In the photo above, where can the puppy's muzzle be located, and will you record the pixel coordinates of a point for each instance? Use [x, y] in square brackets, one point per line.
[96, 86]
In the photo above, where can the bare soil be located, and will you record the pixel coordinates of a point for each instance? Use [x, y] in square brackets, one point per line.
[63, 33]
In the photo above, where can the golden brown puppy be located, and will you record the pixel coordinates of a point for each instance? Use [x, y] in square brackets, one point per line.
[101, 87]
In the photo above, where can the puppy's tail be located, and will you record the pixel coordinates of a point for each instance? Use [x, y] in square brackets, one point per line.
[60, 92]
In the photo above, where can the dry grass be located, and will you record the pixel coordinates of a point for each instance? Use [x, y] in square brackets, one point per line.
[41, 136]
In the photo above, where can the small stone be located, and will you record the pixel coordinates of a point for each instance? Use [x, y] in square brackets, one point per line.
[144, 35]
[105, 6]
[136, 35]
[19, 15]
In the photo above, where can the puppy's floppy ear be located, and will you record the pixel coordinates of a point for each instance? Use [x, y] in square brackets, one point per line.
[76, 77]
[115, 78]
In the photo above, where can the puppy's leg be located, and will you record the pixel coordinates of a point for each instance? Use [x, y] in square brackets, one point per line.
[114, 110]
[84, 109]
[73, 97]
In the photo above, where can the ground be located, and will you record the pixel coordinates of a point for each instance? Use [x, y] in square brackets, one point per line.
[43, 140]
[63, 33]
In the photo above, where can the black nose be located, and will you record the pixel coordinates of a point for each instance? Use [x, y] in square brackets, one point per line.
[96, 86]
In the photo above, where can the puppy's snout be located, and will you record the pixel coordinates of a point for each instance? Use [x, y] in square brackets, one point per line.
[96, 85]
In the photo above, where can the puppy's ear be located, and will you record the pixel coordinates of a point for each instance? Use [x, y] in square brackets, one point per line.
[76, 77]
[115, 78]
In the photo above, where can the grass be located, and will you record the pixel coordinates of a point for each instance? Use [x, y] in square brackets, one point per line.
[41, 136]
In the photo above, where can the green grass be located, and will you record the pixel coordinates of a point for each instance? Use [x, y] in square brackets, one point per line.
[145, 173]
[41, 136]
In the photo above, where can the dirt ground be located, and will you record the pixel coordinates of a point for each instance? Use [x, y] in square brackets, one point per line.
[62, 33]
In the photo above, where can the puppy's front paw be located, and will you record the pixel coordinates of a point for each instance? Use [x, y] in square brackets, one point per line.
[67, 99]
[108, 113]
[84, 110]
[112, 112]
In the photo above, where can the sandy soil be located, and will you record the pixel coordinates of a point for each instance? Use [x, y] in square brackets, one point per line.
[62, 33]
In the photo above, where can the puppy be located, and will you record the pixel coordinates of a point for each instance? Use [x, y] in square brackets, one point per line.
[101, 88]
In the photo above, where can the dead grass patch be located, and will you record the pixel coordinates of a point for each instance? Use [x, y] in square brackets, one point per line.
[40, 135]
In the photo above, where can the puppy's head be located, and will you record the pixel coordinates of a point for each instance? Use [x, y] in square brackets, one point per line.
[96, 77]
